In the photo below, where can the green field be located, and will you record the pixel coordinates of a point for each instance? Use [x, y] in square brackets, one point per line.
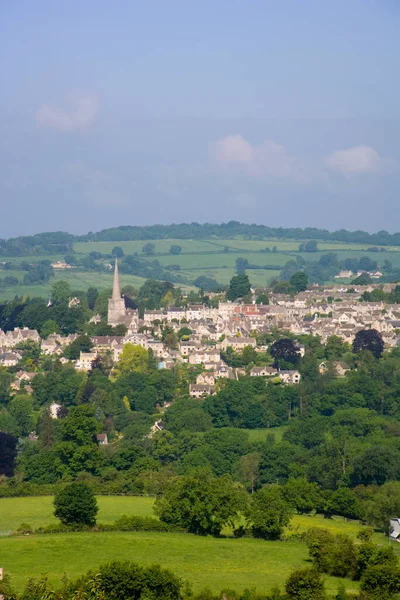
[205, 562]
[213, 258]
[38, 511]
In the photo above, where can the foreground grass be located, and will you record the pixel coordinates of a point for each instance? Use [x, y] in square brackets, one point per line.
[203, 562]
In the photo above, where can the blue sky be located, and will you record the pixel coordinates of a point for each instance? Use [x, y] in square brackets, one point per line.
[283, 112]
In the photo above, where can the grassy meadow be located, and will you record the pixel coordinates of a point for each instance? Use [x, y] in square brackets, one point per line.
[212, 258]
[204, 562]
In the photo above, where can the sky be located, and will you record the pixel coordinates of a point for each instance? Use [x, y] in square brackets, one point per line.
[280, 112]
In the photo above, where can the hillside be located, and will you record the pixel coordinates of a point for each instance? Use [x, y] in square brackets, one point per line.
[207, 259]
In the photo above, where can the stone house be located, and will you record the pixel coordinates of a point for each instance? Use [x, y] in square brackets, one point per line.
[85, 361]
[238, 343]
[10, 359]
[198, 391]
[205, 379]
[290, 377]
[102, 439]
[263, 372]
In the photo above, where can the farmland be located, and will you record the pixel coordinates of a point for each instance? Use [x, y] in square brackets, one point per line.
[211, 258]
[203, 561]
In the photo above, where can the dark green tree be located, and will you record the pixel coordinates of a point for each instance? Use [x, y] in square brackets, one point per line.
[117, 252]
[82, 343]
[262, 299]
[299, 281]
[200, 503]
[148, 249]
[91, 296]
[76, 504]
[268, 512]
[175, 249]
[239, 287]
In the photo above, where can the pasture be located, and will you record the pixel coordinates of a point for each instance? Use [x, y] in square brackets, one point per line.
[202, 561]
[212, 257]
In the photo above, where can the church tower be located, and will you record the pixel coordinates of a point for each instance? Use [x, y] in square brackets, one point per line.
[116, 304]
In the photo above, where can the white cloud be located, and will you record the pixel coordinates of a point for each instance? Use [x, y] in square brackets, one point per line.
[232, 149]
[234, 153]
[355, 161]
[81, 114]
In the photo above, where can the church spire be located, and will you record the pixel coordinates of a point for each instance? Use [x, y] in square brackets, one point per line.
[116, 295]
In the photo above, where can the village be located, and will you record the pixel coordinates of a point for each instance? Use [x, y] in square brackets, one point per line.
[323, 312]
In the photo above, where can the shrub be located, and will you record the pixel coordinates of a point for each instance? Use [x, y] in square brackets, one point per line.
[25, 529]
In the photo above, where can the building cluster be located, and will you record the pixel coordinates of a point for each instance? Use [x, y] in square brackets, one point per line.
[319, 311]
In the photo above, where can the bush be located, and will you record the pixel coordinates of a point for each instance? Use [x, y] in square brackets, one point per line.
[125, 580]
[305, 584]
[135, 523]
[381, 582]
[25, 529]
[332, 554]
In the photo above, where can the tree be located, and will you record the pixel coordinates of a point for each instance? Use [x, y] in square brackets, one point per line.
[328, 260]
[133, 358]
[369, 339]
[239, 287]
[249, 355]
[91, 296]
[282, 287]
[60, 294]
[50, 326]
[241, 265]
[148, 249]
[363, 279]
[171, 340]
[305, 584]
[76, 504]
[384, 503]
[311, 246]
[207, 284]
[299, 281]
[381, 582]
[248, 470]
[200, 503]
[117, 252]
[175, 249]
[184, 333]
[8, 454]
[269, 512]
[262, 299]
[82, 343]
[21, 408]
[302, 495]
[284, 350]
[80, 426]
[345, 502]
[335, 347]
